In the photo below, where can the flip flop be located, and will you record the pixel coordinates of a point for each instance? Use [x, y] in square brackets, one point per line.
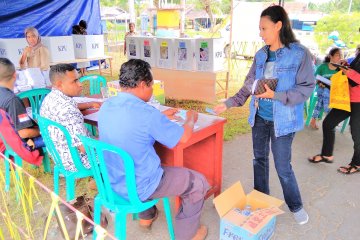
[321, 160]
[349, 170]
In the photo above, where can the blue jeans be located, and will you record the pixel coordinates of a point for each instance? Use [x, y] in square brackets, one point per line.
[262, 134]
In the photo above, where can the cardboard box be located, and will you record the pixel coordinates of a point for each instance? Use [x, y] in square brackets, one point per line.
[88, 46]
[60, 48]
[184, 54]
[148, 50]
[133, 47]
[209, 54]
[12, 49]
[158, 90]
[234, 225]
[165, 53]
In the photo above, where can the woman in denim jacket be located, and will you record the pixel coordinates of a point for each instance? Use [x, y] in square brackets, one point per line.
[275, 116]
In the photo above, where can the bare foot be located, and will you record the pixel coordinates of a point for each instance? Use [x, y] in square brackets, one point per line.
[313, 124]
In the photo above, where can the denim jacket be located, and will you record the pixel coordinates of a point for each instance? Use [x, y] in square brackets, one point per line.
[294, 70]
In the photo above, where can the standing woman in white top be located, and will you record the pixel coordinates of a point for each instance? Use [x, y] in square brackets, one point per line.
[36, 55]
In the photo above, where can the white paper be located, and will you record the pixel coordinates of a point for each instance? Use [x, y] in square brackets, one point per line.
[92, 116]
[87, 99]
[254, 86]
[324, 80]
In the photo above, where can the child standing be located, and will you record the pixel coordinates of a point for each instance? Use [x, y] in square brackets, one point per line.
[325, 70]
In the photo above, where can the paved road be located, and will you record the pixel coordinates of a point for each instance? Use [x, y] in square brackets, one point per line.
[331, 199]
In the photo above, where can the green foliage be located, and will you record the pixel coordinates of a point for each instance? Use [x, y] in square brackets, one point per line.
[341, 6]
[115, 3]
[346, 24]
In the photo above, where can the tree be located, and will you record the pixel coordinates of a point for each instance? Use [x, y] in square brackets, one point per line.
[341, 6]
[346, 24]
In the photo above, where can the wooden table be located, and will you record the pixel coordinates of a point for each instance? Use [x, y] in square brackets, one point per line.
[80, 60]
[203, 151]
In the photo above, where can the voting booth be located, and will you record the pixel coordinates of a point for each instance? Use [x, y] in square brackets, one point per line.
[148, 50]
[88, 46]
[209, 54]
[165, 53]
[133, 47]
[184, 54]
[60, 48]
[12, 49]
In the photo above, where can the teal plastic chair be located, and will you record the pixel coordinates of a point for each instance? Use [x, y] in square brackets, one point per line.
[17, 160]
[36, 97]
[70, 177]
[108, 198]
[95, 82]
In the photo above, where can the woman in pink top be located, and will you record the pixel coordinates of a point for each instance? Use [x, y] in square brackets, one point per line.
[336, 116]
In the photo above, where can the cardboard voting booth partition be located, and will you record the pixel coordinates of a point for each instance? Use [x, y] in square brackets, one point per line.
[158, 90]
[133, 47]
[148, 50]
[88, 46]
[260, 224]
[209, 54]
[60, 48]
[31, 78]
[184, 54]
[12, 49]
[165, 53]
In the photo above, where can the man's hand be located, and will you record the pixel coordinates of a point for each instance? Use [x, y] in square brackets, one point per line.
[267, 94]
[96, 105]
[170, 113]
[191, 116]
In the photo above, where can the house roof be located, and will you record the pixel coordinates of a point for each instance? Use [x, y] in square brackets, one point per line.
[112, 13]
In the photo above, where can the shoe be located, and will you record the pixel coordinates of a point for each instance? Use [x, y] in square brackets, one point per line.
[201, 233]
[322, 159]
[92, 184]
[301, 216]
[146, 223]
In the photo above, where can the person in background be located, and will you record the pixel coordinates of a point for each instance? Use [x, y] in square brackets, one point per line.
[335, 117]
[14, 106]
[325, 70]
[60, 106]
[36, 55]
[81, 29]
[131, 32]
[275, 116]
[357, 51]
[128, 122]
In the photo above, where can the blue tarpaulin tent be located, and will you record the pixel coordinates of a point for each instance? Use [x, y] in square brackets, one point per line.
[50, 17]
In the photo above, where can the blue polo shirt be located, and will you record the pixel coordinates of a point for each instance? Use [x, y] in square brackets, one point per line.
[128, 122]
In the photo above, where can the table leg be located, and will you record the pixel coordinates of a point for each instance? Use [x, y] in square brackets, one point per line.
[99, 62]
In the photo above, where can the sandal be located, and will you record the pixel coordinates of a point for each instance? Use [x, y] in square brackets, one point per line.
[349, 170]
[323, 159]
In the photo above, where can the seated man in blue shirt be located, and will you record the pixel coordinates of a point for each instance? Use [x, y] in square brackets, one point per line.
[128, 122]
[13, 105]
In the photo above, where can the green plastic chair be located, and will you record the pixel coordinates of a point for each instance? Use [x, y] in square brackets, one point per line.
[17, 160]
[36, 97]
[70, 177]
[108, 198]
[95, 82]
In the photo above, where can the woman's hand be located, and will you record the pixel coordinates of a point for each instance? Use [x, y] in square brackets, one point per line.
[170, 113]
[267, 94]
[95, 105]
[220, 108]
